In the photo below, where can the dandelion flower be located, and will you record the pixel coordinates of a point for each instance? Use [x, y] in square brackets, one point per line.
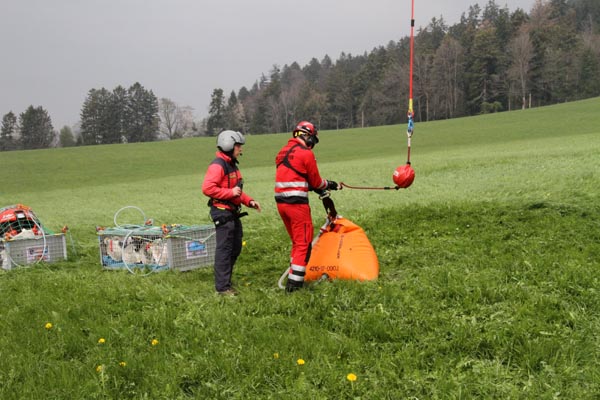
[101, 341]
[276, 355]
[48, 325]
[300, 361]
[122, 364]
[351, 377]
[99, 368]
[154, 342]
[244, 243]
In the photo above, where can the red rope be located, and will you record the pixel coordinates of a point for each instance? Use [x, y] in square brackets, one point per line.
[410, 113]
[412, 41]
[342, 184]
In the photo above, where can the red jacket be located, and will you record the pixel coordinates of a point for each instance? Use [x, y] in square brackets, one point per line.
[218, 184]
[297, 173]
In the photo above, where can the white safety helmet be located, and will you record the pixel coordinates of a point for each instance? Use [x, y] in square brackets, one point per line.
[227, 139]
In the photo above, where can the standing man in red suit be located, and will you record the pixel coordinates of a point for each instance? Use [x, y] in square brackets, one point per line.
[297, 174]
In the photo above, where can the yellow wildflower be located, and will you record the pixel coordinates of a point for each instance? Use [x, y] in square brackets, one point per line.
[99, 368]
[101, 341]
[276, 356]
[122, 364]
[351, 377]
[48, 325]
[300, 361]
[154, 342]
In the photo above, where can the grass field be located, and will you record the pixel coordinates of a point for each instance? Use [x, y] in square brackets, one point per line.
[488, 285]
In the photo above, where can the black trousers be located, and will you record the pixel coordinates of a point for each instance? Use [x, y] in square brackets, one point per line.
[229, 233]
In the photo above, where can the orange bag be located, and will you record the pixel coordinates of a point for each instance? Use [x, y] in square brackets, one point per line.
[342, 251]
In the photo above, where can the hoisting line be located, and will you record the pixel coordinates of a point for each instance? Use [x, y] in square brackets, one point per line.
[410, 114]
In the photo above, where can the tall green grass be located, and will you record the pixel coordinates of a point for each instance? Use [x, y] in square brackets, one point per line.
[488, 285]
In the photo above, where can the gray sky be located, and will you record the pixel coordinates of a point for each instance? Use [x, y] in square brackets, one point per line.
[55, 51]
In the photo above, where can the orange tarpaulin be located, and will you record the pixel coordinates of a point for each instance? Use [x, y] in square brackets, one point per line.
[342, 251]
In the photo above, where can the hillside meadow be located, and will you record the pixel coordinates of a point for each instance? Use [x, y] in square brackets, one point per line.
[488, 282]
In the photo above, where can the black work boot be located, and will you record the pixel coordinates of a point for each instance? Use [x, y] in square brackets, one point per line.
[292, 286]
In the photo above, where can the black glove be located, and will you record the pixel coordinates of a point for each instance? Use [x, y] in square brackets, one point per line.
[332, 185]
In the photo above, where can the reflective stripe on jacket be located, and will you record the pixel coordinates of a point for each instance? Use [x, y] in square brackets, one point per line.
[297, 173]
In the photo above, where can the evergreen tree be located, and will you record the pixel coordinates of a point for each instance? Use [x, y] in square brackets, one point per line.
[590, 74]
[119, 116]
[312, 71]
[244, 97]
[313, 105]
[66, 137]
[368, 79]
[383, 104]
[258, 119]
[272, 92]
[36, 128]
[8, 140]
[216, 113]
[340, 112]
[93, 117]
[588, 13]
[483, 71]
[326, 68]
[243, 94]
[142, 120]
[231, 113]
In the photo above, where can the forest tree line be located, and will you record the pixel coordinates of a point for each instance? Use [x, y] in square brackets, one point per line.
[491, 60]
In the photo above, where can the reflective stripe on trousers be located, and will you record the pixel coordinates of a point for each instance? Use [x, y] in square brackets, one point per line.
[297, 273]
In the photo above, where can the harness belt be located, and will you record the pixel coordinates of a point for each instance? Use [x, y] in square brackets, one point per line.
[224, 218]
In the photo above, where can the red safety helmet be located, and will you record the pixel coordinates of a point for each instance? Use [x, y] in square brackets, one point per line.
[308, 132]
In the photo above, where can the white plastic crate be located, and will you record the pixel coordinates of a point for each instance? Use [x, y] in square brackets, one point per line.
[156, 248]
[43, 248]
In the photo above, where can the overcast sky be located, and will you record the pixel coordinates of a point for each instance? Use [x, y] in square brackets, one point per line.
[55, 51]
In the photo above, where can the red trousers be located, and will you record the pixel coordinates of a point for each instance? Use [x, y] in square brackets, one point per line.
[298, 223]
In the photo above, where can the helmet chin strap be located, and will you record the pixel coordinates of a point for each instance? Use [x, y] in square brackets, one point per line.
[310, 141]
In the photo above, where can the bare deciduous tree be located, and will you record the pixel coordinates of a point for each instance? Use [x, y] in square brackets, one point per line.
[290, 97]
[169, 117]
[176, 121]
[521, 53]
[186, 119]
[448, 69]
[423, 84]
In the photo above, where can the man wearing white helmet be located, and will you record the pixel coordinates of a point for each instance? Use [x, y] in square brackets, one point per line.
[223, 185]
